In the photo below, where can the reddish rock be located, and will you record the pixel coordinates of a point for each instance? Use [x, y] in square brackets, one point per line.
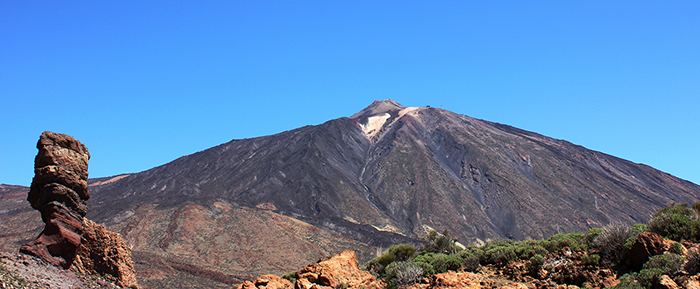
[335, 272]
[667, 283]
[646, 245]
[104, 253]
[272, 281]
[339, 269]
[610, 281]
[58, 243]
[456, 280]
[59, 191]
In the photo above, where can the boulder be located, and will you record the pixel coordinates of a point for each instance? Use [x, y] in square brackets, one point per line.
[338, 270]
[104, 253]
[667, 283]
[646, 245]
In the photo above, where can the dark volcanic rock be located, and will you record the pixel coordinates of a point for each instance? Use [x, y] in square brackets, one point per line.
[59, 191]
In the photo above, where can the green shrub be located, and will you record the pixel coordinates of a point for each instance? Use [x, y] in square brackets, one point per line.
[667, 263]
[403, 273]
[675, 226]
[628, 281]
[692, 265]
[610, 242]
[499, 255]
[649, 277]
[401, 252]
[424, 261]
[441, 243]
[559, 241]
[676, 248]
[471, 263]
[442, 263]
[291, 276]
[432, 263]
[589, 236]
[528, 248]
[696, 207]
[639, 228]
[534, 264]
[470, 258]
[592, 259]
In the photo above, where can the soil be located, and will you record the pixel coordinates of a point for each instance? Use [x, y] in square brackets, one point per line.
[23, 271]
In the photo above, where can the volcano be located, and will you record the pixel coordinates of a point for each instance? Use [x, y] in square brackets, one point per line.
[387, 174]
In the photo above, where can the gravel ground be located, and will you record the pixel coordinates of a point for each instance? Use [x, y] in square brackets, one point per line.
[24, 271]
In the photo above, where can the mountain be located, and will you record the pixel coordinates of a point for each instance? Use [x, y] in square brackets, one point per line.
[384, 175]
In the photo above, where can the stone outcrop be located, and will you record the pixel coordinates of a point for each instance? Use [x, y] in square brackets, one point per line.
[646, 245]
[341, 270]
[59, 191]
[104, 253]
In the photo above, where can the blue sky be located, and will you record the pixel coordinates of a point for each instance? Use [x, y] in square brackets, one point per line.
[142, 84]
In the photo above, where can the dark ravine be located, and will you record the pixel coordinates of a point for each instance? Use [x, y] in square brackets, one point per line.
[382, 176]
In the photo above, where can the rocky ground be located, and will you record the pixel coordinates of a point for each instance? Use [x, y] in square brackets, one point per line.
[24, 271]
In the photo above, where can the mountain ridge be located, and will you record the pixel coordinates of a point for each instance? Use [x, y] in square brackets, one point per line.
[385, 175]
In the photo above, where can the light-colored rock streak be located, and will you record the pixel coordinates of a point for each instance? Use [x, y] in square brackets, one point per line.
[374, 124]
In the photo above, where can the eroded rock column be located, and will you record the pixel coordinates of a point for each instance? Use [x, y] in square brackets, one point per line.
[59, 191]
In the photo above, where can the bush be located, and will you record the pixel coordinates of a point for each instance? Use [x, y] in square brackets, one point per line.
[470, 258]
[696, 207]
[589, 236]
[559, 241]
[441, 243]
[649, 277]
[639, 228]
[667, 263]
[534, 264]
[403, 273]
[291, 276]
[498, 252]
[610, 242]
[528, 248]
[592, 259]
[401, 252]
[471, 263]
[678, 223]
[692, 265]
[628, 281]
[676, 248]
[432, 263]
[423, 261]
[442, 263]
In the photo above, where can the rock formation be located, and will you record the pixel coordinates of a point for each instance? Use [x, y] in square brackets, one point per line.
[645, 246]
[59, 191]
[105, 253]
[339, 271]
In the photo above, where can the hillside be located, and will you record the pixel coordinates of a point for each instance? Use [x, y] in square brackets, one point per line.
[383, 176]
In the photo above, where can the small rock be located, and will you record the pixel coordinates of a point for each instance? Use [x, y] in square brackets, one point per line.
[667, 283]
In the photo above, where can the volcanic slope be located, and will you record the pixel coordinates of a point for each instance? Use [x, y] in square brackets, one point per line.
[382, 176]
[401, 170]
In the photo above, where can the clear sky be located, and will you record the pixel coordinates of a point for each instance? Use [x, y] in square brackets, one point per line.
[142, 83]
